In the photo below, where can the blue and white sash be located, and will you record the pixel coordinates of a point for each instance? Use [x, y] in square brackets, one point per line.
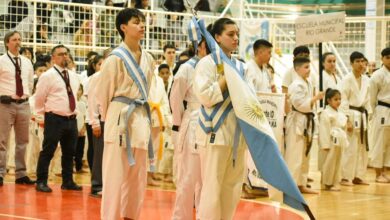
[136, 74]
[193, 61]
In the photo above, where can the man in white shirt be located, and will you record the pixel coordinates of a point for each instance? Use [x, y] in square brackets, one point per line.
[55, 97]
[16, 83]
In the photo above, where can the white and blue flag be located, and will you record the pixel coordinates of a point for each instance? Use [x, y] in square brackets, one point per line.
[257, 132]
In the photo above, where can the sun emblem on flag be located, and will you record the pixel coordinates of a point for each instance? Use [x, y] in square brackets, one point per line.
[254, 111]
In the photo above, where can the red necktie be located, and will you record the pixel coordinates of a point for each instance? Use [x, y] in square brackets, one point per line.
[18, 78]
[72, 102]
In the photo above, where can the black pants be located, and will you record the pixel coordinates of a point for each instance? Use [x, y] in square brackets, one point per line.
[90, 146]
[63, 130]
[96, 175]
[78, 158]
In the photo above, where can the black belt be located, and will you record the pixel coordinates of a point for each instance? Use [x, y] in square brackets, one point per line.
[384, 104]
[70, 117]
[310, 121]
[363, 132]
[4, 99]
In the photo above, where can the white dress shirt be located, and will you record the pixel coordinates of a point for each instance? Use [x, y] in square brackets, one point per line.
[51, 93]
[7, 75]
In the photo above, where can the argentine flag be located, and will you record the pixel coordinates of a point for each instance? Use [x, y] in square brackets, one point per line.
[257, 131]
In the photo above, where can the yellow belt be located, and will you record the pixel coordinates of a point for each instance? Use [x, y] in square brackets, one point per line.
[156, 107]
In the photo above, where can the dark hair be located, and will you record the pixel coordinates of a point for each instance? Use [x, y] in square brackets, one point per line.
[325, 55]
[185, 53]
[202, 5]
[261, 43]
[8, 36]
[219, 26]
[91, 54]
[355, 55]
[207, 46]
[163, 66]
[58, 46]
[385, 52]
[46, 58]
[124, 16]
[301, 49]
[91, 69]
[168, 46]
[23, 49]
[299, 61]
[39, 64]
[138, 4]
[330, 93]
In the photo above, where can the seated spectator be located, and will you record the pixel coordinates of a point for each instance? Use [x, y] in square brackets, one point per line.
[83, 37]
[107, 26]
[27, 52]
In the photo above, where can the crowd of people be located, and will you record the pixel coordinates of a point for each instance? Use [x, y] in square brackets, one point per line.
[140, 118]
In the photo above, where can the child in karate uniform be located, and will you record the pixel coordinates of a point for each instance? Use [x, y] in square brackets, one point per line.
[332, 140]
[300, 123]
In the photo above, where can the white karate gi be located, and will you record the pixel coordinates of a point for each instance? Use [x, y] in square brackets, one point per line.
[355, 157]
[333, 137]
[158, 97]
[35, 137]
[258, 79]
[379, 132]
[289, 77]
[330, 81]
[221, 182]
[123, 185]
[189, 182]
[301, 93]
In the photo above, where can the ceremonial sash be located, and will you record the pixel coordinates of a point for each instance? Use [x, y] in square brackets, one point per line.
[193, 61]
[136, 74]
[257, 132]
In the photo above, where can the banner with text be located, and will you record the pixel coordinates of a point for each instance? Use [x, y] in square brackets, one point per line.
[272, 105]
[319, 28]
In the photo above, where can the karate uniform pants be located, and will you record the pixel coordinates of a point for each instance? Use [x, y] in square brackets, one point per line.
[221, 182]
[33, 148]
[188, 185]
[331, 169]
[155, 133]
[355, 157]
[379, 144]
[296, 160]
[123, 185]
